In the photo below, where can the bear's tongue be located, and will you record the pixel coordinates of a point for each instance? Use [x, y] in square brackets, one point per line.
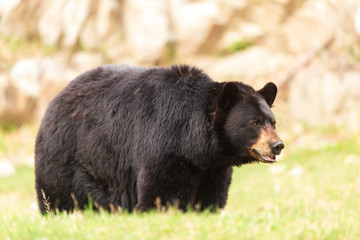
[269, 158]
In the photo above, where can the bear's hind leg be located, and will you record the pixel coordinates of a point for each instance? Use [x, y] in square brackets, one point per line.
[87, 189]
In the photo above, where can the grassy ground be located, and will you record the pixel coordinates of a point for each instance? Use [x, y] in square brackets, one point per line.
[312, 193]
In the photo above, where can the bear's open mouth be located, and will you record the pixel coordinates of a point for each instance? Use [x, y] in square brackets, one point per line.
[263, 158]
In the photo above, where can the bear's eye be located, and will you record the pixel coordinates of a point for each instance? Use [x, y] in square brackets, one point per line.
[255, 123]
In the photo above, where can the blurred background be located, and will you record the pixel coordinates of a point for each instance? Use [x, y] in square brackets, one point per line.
[309, 48]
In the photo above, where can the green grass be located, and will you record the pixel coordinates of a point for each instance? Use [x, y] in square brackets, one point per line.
[309, 194]
[238, 46]
[22, 182]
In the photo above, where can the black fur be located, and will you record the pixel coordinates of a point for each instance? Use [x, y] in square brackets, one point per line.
[125, 136]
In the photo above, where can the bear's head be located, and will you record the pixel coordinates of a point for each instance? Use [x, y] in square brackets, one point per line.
[247, 122]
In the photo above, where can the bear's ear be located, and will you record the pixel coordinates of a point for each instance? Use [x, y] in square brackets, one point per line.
[269, 92]
[228, 96]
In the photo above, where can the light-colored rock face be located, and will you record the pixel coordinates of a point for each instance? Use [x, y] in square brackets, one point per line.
[20, 18]
[254, 66]
[192, 22]
[4, 88]
[324, 97]
[62, 21]
[31, 83]
[146, 27]
[357, 21]
[104, 24]
[7, 5]
[25, 76]
[145, 32]
[19, 92]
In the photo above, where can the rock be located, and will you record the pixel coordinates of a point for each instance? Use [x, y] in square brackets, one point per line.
[7, 5]
[248, 66]
[24, 87]
[7, 169]
[240, 31]
[295, 30]
[104, 25]
[146, 26]
[74, 17]
[50, 23]
[25, 76]
[63, 20]
[30, 74]
[192, 23]
[4, 98]
[357, 21]
[22, 91]
[84, 61]
[19, 12]
[54, 69]
[350, 111]
[326, 97]
[33, 82]
[267, 14]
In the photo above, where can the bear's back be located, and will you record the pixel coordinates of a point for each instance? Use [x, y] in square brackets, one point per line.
[113, 83]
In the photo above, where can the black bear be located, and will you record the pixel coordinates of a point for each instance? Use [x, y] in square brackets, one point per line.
[130, 137]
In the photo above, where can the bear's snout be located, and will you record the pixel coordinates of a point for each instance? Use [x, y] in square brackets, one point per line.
[267, 146]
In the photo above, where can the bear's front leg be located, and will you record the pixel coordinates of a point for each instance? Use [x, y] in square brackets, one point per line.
[213, 189]
[172, 182]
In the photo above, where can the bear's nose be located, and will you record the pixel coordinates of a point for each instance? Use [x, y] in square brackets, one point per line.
[277, 147]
